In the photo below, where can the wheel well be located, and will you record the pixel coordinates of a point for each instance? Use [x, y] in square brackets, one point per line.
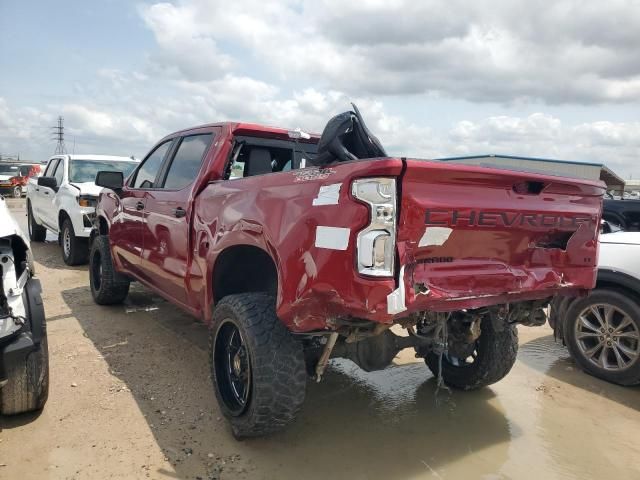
[103, 226]
[243, 269]
[61, 216]
[623, 289]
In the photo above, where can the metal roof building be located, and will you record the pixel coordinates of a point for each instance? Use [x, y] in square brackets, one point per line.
[590, 171]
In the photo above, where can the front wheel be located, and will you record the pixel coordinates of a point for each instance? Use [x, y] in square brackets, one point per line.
[108, 287]
[602, 332]
[16, 191]
[74, 249]
[484, 362]
[257, 366]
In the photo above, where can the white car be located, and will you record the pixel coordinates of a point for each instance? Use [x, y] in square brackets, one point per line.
[602, 330]
[24, 358]
[63, 200]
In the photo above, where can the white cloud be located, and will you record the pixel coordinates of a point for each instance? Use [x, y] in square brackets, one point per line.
[483, 51]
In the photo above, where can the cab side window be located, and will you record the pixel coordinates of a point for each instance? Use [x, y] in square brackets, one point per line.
[187, 161]
[59, 173]
[146, 175]
[50, 168]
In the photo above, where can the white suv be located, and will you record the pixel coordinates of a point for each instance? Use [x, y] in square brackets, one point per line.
[63, 200]
[602, 330]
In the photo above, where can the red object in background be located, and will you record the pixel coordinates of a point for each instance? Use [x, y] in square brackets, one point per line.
[512, 236]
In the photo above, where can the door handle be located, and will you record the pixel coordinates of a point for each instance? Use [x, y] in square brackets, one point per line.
[179, 212]
[139, 206]
[37, 189]
[46, 192]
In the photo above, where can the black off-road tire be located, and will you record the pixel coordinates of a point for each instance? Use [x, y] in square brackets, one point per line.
[497, 350]
[78, 248]
[277, 368]
[108, 287]
[626, 302]
[37, 233]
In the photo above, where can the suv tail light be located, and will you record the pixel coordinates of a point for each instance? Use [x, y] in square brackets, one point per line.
[376, 243]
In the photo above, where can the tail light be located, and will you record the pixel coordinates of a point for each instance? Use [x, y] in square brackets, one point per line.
[376, 243]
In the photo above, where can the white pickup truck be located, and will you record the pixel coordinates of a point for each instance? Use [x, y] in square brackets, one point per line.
[63, 200]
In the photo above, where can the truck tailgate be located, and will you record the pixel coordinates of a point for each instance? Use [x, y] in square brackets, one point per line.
[474, 236]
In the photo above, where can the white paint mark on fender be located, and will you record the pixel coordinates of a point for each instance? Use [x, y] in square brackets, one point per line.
[434, 236]
[328, 195]
[334, 238]
[396, 299]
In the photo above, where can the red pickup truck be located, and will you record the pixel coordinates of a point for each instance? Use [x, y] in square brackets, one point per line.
[295, 249]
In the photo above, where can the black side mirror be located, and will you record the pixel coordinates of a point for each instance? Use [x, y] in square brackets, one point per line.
[48, 182]
[110, 179]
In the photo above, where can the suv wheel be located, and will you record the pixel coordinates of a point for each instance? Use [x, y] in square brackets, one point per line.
[74, 249]
[108, 287]
[489, 358]
[602, 332]
[257, 366]
[37, 233]
[16, 191]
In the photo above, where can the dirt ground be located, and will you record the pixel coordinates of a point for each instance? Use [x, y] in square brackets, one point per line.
[131, 398]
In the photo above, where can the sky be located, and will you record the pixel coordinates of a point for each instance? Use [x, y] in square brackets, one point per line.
[432, 78]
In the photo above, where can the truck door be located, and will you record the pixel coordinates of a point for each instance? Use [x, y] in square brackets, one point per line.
[37, 197]
[48, 199]
[166, 251]
[127, 226]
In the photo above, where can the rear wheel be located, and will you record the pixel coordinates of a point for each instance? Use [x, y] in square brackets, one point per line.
[108, 287]
[481, 363]
[257, 366]
[75, 250]
[602, 332]
[37, 233]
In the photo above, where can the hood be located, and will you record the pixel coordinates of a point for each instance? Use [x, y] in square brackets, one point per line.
[6, 177]
[631, 238]
[8, 224]
[88, 188]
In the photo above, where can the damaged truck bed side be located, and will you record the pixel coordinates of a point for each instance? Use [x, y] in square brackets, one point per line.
[297, 249]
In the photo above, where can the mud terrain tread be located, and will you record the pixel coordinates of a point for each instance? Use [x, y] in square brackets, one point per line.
[277, 364]
[28, 386]
[623, 300]
[79, 247]
[497, 354]
[114, 287]
[37, 233]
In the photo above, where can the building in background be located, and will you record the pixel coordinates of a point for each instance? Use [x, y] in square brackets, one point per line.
[590, 171]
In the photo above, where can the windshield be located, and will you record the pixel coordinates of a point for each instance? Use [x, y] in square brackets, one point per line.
[85, 170]
[9, 169]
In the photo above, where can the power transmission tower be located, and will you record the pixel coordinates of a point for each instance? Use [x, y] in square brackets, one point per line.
[58, 134]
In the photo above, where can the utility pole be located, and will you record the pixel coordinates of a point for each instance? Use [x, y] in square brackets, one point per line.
[58, 134]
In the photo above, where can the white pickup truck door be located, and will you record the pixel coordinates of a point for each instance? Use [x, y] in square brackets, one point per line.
[48, 211]
[37, 193]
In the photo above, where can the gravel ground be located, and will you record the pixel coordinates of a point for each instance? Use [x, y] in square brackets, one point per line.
[131, 398]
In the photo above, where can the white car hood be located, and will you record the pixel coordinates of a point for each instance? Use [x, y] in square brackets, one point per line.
[8, 224]
[88, 188]
[5, 177]
[630, 238]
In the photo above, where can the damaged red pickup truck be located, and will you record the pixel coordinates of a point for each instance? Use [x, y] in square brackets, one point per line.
[296, 249]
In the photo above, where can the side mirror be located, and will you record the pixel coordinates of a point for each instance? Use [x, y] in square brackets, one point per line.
[110, 179]
[48, 182]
